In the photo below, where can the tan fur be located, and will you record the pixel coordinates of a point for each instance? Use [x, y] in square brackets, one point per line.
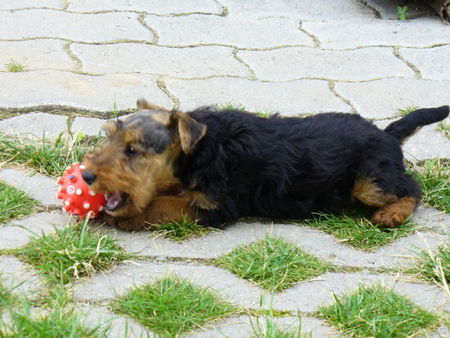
[368, 193]
[186, 125]
[143, 104]
[394, 214]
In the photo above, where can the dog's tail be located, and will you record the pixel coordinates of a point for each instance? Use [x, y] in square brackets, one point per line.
[410, 123]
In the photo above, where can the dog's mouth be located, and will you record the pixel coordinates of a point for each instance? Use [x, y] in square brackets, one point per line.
[115, 200]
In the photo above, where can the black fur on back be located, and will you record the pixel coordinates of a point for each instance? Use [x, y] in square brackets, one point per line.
[288, 167]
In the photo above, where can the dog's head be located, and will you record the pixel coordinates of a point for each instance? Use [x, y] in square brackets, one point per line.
[138, 155]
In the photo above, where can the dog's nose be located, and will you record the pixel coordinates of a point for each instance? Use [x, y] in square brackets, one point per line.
[88, 176]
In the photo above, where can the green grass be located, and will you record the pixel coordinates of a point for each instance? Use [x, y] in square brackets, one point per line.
[273, 264]
[402, 13]
[15, 67]
[434, 178]
[5, 297]
[72, 253]
[48, 157]
[14, 203]
[172, 306]
[180, 230]
[434, 266]
[57, 319]
[374, 311]
[353, 227]
[407, 110]
[444, 127]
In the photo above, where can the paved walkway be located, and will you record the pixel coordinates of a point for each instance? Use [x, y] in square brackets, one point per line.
[293, 57]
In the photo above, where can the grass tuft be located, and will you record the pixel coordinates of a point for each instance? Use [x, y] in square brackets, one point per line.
[434, 266]
[434, 178]
[48, 157]
[402, 13]
[14, 203]
[353, 227]
[375, 311]
[407, 110]
[172, 306]
[180, 230]
[57, 319]
[273, 263]
[15, 67]
[72, 253]
[444, 127]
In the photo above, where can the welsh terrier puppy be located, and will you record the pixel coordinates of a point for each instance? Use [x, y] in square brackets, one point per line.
[218, 166]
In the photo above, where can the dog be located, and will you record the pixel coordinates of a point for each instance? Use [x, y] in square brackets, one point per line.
[215, 167]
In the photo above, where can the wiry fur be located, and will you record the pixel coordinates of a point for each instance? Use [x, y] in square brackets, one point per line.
[231, 164]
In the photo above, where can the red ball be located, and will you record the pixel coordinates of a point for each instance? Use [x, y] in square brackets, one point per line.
[78, 198]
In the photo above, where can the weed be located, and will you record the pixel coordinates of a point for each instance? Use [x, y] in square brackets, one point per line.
[72, 253]
[407, 110]
[172, 306]
[180, 230]
[444, 127]
[273, 263]
[402, 13]
[49, 157]
[375, 311]
[15, 67]
[353, 227]
[14, 203]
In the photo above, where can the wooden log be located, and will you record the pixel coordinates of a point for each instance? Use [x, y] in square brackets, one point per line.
[442, 7]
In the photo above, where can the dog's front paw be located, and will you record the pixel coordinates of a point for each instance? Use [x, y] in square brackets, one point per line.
[126, 224]
[387, 218]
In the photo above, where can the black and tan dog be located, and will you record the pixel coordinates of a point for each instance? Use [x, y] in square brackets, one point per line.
[218, 166]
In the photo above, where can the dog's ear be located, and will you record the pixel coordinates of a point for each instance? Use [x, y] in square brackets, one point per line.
[143, 104]
[111, 127]
[189, 130]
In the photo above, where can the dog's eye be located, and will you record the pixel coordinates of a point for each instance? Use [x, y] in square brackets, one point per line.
[130, 151]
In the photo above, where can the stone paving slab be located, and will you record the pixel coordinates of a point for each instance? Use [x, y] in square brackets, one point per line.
[47, 54]
[178, 62]
[299, 62]
[248, 32]
[432, 62]
[87, 125]
[19, 276]
[9, 5]
[41, 188]
[99, 93]
[17, 233]
[314, 95]
[46, 23]
[241, 326]
[35, 125]
[382, 98]
[316, 242]
[420, 32]
[162, 7]
[120, 326]
[338, 9]
[309, 296]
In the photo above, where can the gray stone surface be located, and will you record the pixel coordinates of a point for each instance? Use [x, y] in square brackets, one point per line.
[119, 326]
[19, 276]
[17, 233]
[432, 62]
[421, 32]
[178, 62]
[35, 125]
[313, 241]
[301, 62]
[104, 27]
[87, 125]
[8, 5]
[251, 32]
[314, 95]
[84, 91]
[314, 10]
[39, 187]
[433, 219]
[47, 54]
[382, 98]
[155, 6]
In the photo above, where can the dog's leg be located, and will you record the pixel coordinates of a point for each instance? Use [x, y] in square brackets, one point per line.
[162, 209]
[396, 196]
